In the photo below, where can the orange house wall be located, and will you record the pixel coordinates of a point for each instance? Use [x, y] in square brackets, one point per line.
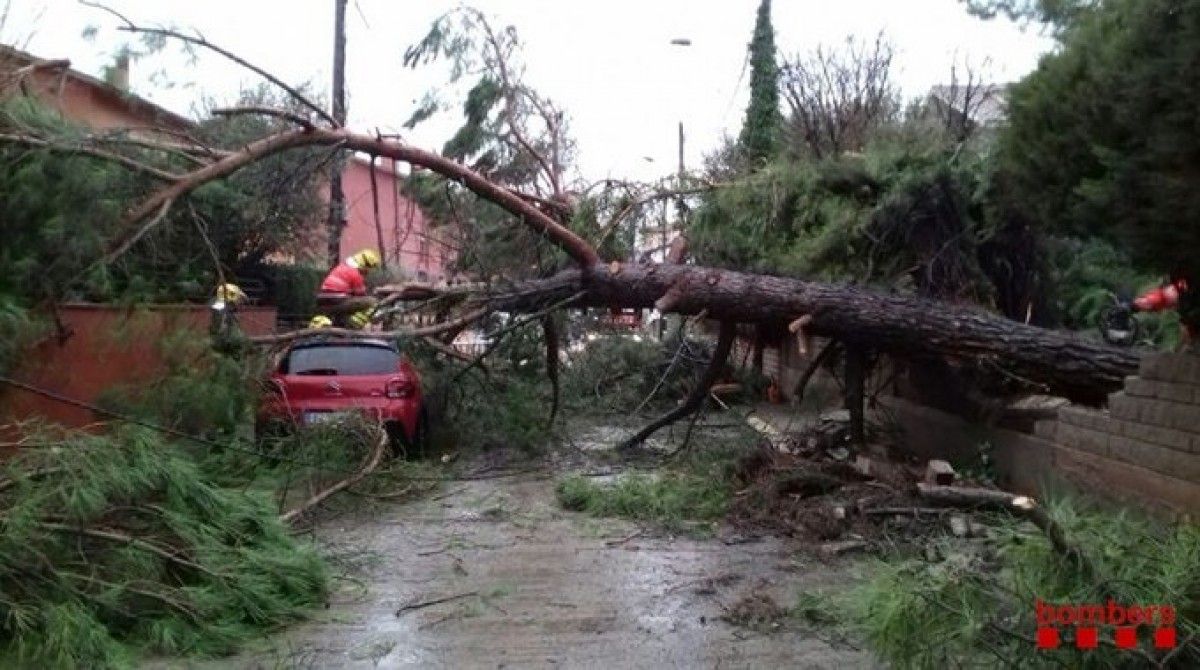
[407, 243]
[100, 108]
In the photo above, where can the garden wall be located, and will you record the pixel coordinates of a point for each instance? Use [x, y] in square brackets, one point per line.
[1144, 449]
[104, 346]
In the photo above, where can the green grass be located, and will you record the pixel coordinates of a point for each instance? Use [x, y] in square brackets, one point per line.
[973, 605]
[669, 500]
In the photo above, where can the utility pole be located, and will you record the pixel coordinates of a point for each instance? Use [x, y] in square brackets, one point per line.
[337, 198]
[681, 153]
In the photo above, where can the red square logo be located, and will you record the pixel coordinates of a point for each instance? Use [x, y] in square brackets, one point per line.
[1086, 638]
[1126, 638]
[1047, 638]
[1164, 638]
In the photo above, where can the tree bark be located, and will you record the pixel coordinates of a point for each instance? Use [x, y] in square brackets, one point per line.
[1075, 367]
[856, 373]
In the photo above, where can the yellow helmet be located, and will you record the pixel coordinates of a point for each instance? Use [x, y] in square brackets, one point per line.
[320, 321]
[360, 319]
[367, 259]
[230, 294]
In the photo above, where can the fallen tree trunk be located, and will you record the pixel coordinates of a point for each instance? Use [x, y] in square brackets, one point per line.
[896, 324]
[1067, 364]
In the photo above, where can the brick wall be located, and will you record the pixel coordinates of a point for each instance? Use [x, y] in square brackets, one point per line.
[1147, 445]
[1143, 449]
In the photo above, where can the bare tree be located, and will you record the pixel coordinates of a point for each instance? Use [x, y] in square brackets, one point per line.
[837, 98]
[967, 102]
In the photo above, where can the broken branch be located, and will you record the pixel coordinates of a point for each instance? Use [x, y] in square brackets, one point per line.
[265, 111]
[131, 27]
[132, 164]
[698, 393]
[368, 467]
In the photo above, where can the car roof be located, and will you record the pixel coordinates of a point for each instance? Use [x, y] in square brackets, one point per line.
[338, 341]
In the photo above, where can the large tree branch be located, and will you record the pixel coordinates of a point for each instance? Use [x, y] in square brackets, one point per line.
[423, 331]
[576, 247]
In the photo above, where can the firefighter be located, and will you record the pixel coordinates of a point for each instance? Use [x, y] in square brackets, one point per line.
[344, 290]
[223, 326]
[320, 321]
[1167, 297]
[360, 320]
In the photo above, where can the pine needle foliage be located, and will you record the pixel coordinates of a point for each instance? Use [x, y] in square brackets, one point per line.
[978, 603]
[117, 545]
[59, 210]
[903, 216]
[1101, 137]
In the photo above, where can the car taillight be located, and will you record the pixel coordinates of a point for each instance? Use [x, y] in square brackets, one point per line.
[400, 388]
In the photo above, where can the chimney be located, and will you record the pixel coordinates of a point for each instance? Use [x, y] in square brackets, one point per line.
[119, 74]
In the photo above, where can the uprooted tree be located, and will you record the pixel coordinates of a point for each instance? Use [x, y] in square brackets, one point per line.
[582, 276]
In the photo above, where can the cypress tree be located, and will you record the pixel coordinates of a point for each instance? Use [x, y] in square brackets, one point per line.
[760, 131]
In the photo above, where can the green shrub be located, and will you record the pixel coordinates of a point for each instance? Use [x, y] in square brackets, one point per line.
[202, 393]
[293, 289]
[669, 499]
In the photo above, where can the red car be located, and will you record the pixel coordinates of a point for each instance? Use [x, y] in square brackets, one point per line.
[321, 380]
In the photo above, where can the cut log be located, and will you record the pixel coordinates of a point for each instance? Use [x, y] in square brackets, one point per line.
[1022, 506]
[966, 496]
[909, 326]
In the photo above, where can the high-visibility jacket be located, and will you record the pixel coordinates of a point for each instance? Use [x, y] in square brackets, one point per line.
[344, 278]
[1161, 298]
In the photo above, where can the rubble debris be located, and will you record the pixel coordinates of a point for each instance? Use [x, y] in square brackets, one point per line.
[959, 527]
[757, 611]
[835, 549]
[939, 472]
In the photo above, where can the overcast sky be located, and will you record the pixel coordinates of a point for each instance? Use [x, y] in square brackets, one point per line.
[608, 63]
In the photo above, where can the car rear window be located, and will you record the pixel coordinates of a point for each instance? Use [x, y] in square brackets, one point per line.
[340, 360]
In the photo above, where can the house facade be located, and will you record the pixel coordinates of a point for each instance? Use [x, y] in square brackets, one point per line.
[84, 99]
[379, 216]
